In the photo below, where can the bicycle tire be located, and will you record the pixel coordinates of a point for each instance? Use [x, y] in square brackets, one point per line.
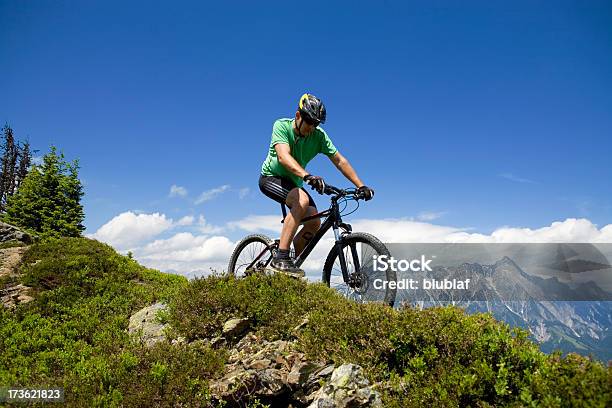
[241, 247]
[386, 295]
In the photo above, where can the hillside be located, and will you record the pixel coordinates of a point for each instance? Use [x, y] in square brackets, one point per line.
[260, 340]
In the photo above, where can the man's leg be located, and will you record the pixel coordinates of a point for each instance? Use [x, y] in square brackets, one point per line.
[298, 201]
[284, 191]
[307, 232]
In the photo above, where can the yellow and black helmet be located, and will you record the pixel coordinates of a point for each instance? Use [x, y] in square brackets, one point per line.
[312, 109]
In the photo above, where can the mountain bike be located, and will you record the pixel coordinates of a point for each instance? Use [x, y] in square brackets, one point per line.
[349, 265]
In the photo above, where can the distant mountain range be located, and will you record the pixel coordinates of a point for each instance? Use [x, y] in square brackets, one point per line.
[557, 315]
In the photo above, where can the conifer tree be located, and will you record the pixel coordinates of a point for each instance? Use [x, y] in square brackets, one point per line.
[9, 165]
[49, 198]
[25, 160]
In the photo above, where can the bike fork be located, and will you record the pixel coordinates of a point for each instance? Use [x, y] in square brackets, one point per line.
[338, 245]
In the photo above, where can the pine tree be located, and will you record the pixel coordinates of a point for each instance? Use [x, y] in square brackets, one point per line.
[9, 166]
[49, 198]
[25, 160]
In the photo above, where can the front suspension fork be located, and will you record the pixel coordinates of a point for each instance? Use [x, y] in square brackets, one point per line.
[343, 266]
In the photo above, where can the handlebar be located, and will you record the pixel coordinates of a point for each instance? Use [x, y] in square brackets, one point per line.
[339, 192]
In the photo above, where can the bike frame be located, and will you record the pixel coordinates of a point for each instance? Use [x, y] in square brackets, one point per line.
[333, 221]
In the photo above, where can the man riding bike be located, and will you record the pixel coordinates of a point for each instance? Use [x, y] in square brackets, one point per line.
[295, 142]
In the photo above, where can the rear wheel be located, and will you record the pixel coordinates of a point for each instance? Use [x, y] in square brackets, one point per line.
[365, 284]
[252, 255]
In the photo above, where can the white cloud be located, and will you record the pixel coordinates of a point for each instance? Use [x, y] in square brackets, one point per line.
[206, 228]
[177, 191]
[186, 247]
[243, 192]
[512, 177]
[191, 253]
[185, 221]
[256, 223]
[212, 193]
[570, 230]
[185, 253]
[430, 215]
[128, 229]
[404, 230]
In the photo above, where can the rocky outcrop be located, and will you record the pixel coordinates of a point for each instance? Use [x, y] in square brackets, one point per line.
[271, 371]
[145, 325]
[348, 387]
[274, 372]
[11, 296]
[11, 233]
[12, 292]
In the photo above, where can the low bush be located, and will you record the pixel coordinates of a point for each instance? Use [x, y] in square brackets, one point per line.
[434, 357]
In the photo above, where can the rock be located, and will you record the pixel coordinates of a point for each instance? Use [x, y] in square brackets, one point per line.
[347, 387]
[300, 373]
[14, 295]
[9, 261]
[11, 233]
[272, 371]
[271, 382]
[278, 375]
[260, 364]
[235, 327]
[235, 385]
[144, 324]
[217, 342]
[313, 382]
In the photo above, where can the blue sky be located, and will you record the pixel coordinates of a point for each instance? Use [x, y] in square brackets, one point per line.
[474, 115]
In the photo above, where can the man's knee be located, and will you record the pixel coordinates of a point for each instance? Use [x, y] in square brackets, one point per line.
[307, 236]
[312, 226]
[315, 223]
[298, 200]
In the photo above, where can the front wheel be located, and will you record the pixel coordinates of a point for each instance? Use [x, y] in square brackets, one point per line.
[252, 255]
[365, 284]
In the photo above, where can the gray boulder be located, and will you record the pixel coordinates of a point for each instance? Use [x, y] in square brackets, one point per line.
[272, 371]
[235, 327]
[9, 232]
[145, 325]
[347, 387]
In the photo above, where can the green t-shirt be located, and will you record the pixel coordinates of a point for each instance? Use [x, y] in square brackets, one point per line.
[303, 149]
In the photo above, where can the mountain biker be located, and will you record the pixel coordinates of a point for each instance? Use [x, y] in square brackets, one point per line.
[295, 142]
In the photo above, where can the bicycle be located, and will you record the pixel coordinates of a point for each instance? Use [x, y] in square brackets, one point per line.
[353, 276]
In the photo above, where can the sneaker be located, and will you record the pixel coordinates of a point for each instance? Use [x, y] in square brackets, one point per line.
[286, 267]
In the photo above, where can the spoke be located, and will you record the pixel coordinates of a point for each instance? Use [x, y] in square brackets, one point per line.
[248, 255]
[359, 257]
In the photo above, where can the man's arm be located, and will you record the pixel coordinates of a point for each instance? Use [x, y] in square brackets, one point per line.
[345, 168]
[284, 157]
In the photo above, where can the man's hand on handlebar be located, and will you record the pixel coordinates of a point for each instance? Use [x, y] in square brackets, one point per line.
[366, 192]
[315, 182]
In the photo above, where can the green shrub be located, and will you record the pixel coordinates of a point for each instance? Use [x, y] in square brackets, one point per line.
[436, 357]
[73, 334]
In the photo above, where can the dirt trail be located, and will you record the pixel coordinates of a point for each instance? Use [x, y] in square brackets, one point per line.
[12, 294]
[9, 259]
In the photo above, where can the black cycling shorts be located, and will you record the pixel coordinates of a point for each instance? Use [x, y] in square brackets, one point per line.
[277, 188]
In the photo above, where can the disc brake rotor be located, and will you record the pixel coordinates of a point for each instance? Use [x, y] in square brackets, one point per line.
[359, 282]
